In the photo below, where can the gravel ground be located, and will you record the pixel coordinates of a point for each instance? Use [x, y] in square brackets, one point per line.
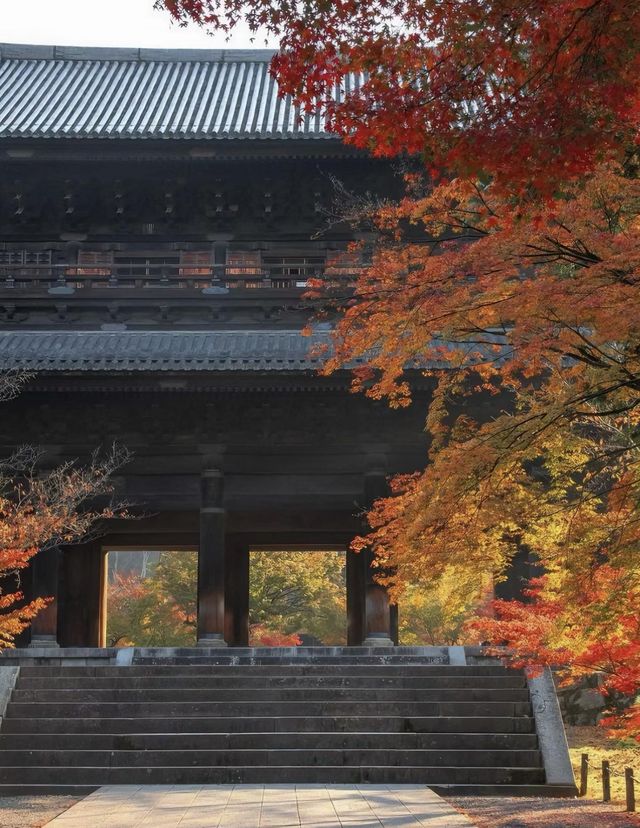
[509, 812]
[32, 811]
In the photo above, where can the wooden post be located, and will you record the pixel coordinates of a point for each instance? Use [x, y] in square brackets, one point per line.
[211, 557]
[236, 593]
[45, 580]
[395, 624]
[606, 781]
[584, 774]
[377, 613]
[355, 598]
[629, 782]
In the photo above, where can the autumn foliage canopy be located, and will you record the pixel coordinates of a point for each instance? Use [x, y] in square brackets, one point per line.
[510, 274]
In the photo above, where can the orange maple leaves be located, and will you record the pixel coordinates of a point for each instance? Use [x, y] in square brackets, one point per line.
[513, 283]
[602, 637]
[38, 510]
[526, 93]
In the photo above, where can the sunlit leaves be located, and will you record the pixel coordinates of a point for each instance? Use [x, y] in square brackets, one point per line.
[43, 509]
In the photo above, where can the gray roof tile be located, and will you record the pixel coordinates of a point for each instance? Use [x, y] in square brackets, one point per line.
[74, 92]
[160, 350]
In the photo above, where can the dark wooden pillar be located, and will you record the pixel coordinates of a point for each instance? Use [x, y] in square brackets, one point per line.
[355, 598]
[395, 631]
[377, 612]
[236, 592]
[211, 557]
[45, 584]
[82, 620]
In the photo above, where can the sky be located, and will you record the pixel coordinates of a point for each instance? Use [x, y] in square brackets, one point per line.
[108, 23]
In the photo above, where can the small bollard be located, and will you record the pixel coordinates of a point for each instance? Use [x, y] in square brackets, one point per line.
[630, 789]
[606, 781]
[584, 773]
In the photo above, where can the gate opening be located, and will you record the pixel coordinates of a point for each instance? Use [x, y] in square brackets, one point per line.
[151, 598]
[297, 598]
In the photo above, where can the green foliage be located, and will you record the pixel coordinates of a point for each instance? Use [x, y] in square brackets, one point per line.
[299, 592]
[436, 611]
[158, 611]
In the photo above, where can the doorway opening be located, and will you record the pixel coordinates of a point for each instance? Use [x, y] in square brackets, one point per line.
[151, 598]
[297, 597]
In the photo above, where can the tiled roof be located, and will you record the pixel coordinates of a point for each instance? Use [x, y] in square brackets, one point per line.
[160, 350]
[69, 92]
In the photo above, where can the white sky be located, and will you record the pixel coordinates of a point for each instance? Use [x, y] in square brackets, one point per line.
[108, 23]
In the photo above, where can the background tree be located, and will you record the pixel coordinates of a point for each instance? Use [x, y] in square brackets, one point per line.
[521, 121]
[299, 592]
[157, 611]
[436, 612]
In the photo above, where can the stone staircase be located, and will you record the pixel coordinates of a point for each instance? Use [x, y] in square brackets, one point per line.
[208, 719]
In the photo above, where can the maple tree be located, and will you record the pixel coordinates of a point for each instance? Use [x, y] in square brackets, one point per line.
[527, 92]
[44, 508]
[509, 273]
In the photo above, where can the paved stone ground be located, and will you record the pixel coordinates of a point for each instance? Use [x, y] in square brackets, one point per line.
[262, 806]
[529, 812]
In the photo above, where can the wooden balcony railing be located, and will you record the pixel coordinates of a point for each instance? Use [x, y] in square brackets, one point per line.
[72, 278]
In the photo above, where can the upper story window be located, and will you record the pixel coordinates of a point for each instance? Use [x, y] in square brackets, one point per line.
[25, 257]
[195, 263]
[244, 269]
[27, 268]
[144, 269]
[293, 271]
[19, 264]
[94, 263]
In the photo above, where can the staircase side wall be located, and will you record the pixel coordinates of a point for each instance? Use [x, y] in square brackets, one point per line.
[550, 729]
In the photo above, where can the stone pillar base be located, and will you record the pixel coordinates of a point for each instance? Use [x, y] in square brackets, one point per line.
[44, 641]
[378, 640]
[212, 641]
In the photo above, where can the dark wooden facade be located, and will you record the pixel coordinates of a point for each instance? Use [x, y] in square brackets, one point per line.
[156, 287]
[160, 216]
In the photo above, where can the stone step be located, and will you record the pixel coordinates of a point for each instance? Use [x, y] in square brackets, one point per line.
[296, 668]
[269, 741]
[285, 661]
[535, 790]
[427, 653]
[286, 757]
[264, 724]
[166, 682]
[178, 710]
[261, 774]
[271, 716]
[280, 694]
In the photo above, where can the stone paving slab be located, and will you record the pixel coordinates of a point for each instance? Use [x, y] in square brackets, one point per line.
[262, 806]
